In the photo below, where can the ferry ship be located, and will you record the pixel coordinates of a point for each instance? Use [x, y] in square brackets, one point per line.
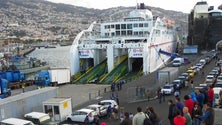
[139, 37]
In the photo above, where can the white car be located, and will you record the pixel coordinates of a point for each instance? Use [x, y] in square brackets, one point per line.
[111, 103]
[210, 79]
[219, 78]
[168, 89]
[199, 65]
[82, 115]
[99, 109]
[203, 61]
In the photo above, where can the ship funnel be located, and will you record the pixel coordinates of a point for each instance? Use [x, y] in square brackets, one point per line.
[141, 6]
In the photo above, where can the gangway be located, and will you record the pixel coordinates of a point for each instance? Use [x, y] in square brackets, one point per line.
[118, 72]
[173, 55]
[94, 73]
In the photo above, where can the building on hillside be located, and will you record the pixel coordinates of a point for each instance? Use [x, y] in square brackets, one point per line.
[204, 27]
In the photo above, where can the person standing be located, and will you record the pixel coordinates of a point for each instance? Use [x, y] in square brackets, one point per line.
[187, 116]
[196, 111]
[200, 98]
[138, 119]
[159, 94]
[188, 103]
[191, 83]
[153, 116]
[126, 120]
[179, 119]
[171, 114]
[210, 95]
[148, 94]
[179, 104]
[208, 116]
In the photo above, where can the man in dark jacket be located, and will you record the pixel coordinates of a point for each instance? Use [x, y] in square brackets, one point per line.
[126, 120]
[171, 114]
[209, 115]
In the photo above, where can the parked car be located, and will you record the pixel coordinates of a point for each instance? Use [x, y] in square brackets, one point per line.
[168, 89]
[99, 109]
[212, 73]
[186, 75]
[203, 61]
[218, 84]
[38, 118]
[82, 115]
[210, 79]
[216, 72]
[219, 78]
[112, 103]
[178, 83]
[16, 121]
[200, 66]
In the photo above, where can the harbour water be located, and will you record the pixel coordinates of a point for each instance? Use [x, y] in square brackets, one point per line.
[56, 57]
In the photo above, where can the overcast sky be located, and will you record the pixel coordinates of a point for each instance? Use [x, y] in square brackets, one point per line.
[178, 5]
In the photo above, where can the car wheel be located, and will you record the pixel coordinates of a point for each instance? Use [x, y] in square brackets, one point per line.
[69, 119]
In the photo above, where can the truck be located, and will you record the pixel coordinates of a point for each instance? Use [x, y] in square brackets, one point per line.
[54, 76]
[178, 61]
[167, 74]
[4, 88]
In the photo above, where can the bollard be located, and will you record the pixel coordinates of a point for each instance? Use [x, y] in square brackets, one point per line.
[99, 93]
[104, 90]
[89, 96]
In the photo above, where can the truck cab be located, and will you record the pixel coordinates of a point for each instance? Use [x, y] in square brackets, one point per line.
[4, 89]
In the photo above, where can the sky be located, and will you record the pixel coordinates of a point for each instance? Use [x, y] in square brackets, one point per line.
[178, 5]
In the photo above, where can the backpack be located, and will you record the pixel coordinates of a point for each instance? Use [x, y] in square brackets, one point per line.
[147, 120]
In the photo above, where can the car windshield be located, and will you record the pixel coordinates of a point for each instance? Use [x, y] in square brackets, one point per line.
[219, 77]
[166, 87]
[209, 77]
[218, 85]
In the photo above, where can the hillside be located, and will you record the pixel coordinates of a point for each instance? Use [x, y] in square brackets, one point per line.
[39, 19]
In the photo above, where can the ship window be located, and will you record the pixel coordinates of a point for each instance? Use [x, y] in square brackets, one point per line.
[135, 25]
[140, 32]
[107, 26]
[146, 32]
[123, 26]
[129, 26]
[117, 26]
[113, 34]
[123, 32]
[117, 33]
[135, 33]
[141, 25]
[129, 32]
[145, 24]
[106, 34]
[112, 26]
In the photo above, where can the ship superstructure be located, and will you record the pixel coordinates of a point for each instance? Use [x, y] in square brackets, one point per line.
[137, 38]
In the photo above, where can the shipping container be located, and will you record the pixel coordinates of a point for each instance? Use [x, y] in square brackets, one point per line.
[167, 74]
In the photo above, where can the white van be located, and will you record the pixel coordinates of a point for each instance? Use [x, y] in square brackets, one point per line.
[38, 118]
[15, 121]
[217, 95]
[178, 61]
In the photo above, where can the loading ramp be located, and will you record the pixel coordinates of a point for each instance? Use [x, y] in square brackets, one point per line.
[93, 74]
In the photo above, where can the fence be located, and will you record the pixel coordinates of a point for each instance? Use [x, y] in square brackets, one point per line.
[99, 93]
